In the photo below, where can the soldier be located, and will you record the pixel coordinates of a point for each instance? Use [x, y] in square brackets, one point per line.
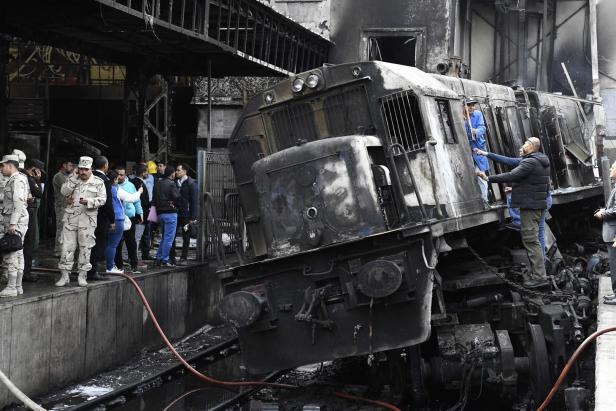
[15, 221]
[66, 169]
[84, 193]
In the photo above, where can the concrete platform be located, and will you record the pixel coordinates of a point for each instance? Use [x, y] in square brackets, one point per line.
[605, 357]
[52, 336]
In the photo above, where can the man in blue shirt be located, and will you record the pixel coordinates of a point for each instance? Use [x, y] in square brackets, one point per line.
[476, 131]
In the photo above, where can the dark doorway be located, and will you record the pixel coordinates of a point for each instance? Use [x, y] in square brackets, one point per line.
[393, 49]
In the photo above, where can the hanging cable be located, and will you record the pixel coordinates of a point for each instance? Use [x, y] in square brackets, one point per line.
[570, 363]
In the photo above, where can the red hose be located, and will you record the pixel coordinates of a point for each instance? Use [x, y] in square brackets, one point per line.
[569, 364]
[373, 402]
[183, 361]
[228, 383]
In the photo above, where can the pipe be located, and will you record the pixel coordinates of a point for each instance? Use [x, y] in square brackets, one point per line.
[569, 364]
[19, 394]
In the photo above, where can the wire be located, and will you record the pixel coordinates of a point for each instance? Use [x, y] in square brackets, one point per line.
[382, 404]
[570, 363]
[192, 370]
[181, 397]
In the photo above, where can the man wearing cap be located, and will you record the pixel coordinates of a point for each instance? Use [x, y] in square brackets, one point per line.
[84, 193]
[530, 181]
[475, 131]
[14, 221]
[66, 169]
[34, 172]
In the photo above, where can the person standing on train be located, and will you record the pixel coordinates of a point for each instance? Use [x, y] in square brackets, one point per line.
[514, 212]
[608, 216]
[476, 131]
[530, 182]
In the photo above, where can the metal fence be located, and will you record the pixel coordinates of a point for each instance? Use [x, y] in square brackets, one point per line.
[220, 183]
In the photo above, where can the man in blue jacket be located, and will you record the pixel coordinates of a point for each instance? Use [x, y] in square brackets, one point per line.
[134, 212]
[476, 131]
[530, 182]
[188, 212]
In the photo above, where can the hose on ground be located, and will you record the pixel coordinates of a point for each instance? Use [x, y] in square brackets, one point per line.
[570, 362]
[19, 394]
[214, 381]
[190, 368]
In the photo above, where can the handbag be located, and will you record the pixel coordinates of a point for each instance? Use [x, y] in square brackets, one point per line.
[152, 215]
[127, 223]
[10, 243]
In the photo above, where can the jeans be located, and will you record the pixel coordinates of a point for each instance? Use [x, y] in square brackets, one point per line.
[168, 223]
[113, 239]
[131, 246]
[530, 239]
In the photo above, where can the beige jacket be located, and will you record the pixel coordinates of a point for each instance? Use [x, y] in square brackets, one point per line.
[92, 190]
[15, 200]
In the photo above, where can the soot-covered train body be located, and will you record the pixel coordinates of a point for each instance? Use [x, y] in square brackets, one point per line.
[355, 181]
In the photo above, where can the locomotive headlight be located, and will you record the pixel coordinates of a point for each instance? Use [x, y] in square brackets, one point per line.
[313, 81]
[356, 71]
[241, 308]
[379, 278]
[269, 98]
[298, 85]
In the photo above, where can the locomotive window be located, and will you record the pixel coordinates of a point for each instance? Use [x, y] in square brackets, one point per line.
[347, 111]
[293, 123]
[403, 122]
[444, 110]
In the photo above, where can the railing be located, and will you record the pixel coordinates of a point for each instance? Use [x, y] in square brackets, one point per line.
[244, 26]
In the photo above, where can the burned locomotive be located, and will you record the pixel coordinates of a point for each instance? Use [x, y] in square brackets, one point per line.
[359, 199]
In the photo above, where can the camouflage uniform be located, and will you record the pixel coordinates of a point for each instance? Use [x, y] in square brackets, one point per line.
[59, 205]
[79, 223]
[3, 181]
[15, 212]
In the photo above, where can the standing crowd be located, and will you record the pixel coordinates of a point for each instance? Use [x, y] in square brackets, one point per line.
[98, 211]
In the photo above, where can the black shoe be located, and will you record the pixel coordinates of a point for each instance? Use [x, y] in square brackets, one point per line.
[96, 277]
[147, 257]
[30, 278]
[536, 283]
[135, 270]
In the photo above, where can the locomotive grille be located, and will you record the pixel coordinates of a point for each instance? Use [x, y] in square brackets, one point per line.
[341, 112]
[402, 118]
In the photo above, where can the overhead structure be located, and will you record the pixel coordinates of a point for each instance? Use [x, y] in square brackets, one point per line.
[241, 37]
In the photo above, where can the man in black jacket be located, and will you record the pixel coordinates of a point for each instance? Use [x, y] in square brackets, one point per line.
[530, 182]
[105, 217]
[188, 212]
[166, 199]
[34, 173]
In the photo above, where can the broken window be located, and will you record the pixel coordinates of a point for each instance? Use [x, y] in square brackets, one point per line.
[403, 122]
[444, 110]
[393, 49]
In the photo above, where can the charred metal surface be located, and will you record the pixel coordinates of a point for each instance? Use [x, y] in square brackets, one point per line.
[363, 214]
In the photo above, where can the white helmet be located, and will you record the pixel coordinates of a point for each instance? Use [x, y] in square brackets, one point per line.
[21, 155]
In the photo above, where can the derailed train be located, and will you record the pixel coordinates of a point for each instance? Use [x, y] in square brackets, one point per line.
[366, 229]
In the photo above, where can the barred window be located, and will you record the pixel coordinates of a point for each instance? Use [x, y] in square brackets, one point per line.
[403, 122]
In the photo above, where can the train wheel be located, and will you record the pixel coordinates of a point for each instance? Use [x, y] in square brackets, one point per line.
[539, 368]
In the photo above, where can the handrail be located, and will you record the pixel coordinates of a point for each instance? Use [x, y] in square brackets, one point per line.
[424, 214]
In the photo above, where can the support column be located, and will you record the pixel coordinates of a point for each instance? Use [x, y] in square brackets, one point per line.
[599, 114]
[522, 47]
[201, 182]
[4, 125]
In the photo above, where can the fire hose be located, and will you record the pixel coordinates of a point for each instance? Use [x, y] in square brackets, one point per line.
[214, 381]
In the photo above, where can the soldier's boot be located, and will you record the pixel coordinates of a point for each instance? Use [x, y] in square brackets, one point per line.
[11, 289]
[20, 289]
[81, 279]
[64, 279]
